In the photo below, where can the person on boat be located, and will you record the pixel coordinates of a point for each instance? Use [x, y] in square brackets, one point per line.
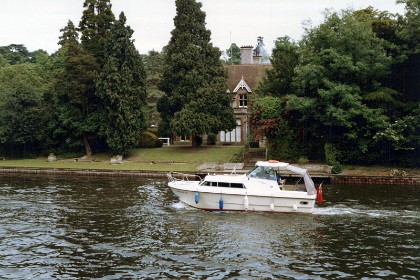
[278, 178]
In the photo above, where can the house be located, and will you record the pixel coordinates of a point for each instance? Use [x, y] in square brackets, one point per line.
[242, 81]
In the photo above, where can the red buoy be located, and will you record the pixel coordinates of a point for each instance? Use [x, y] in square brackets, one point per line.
[319, 196]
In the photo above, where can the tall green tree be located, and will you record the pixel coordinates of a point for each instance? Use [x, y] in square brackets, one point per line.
[122, 87]
[153, 64]
[69, 34]
[410, 32]
[285, 58]
[194, 80]
[95, 26]
[73, 71]
[22, 121]
[342, 60]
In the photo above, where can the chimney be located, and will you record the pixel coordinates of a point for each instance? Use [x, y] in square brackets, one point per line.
[256, 59]
[246, 55]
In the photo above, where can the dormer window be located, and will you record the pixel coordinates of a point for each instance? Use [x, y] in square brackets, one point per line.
[242, 85]
[243, 100]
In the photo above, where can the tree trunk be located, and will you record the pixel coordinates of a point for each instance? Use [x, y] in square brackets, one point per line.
[194, 141]
[87, 146]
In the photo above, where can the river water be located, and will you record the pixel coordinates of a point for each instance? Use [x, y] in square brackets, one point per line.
[130, 228]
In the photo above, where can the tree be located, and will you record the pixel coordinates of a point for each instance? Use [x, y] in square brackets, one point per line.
[233, 54]
[69, 35]
[22, 122]
[410, 30]
[153, 63]
[95, 26]
[15, 53]
[285, 58]
[194, 80]
[73, 72]
[343, 60]
[330, 76]
[122, 87]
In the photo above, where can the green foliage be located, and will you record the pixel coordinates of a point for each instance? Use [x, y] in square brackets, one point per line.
[283, 148]
[211, 139]
[149, 140]
[336, 168]
[95, 27]
[233, 54]
[122, 87]
[194, 80]
[69, 35]
[303, 160]
[278, 81]
[331, 153]
[342, 60]
[410, 30]
[14, 54]
[22, 116]
[76, 110]
[266, 117]
[153, 64]
[404, 133]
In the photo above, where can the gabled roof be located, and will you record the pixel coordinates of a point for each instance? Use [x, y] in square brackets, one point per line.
[252, 74]
[242, 84]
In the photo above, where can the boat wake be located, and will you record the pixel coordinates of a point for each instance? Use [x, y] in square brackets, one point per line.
[179, 205]
[375, 213]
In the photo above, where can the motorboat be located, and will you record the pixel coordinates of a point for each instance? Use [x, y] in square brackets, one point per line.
[260, 189]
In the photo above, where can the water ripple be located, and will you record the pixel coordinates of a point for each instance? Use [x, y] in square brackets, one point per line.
[53, 227]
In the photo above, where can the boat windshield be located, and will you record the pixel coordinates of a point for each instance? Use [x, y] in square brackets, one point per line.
[262, 172]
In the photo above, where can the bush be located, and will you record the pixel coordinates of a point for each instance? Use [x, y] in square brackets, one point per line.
[336, 168]
[303, 160]
[211, 139]
[331, 154]
[149, 140]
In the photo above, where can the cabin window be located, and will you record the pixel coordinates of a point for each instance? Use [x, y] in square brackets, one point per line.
[223, 185]
[243, 101]
[210, 184]
[236, 185]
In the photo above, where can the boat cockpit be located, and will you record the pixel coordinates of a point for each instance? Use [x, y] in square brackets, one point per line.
[264, 172]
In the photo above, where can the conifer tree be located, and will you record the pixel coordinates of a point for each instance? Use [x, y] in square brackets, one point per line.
[95, 26]
[69, 34]
[194, 80]
[122, 87]
[73, 72]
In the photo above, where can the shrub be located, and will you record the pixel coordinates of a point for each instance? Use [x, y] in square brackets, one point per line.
[331, 154]
[211, 139]
[336, 168]
[303, 160]
[149, 140]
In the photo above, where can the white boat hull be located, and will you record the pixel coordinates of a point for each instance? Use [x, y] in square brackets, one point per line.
[239, 200]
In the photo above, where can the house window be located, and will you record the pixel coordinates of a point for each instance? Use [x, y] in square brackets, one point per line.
[243, 101]
[233, 136]
[184, 138]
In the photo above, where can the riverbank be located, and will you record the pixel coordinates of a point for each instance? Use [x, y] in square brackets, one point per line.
[327, 178]
[156, 163]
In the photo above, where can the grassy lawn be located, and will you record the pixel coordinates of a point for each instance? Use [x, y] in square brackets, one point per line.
[167, 158]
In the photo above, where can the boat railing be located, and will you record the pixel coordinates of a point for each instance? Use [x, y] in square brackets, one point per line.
[178, 176]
